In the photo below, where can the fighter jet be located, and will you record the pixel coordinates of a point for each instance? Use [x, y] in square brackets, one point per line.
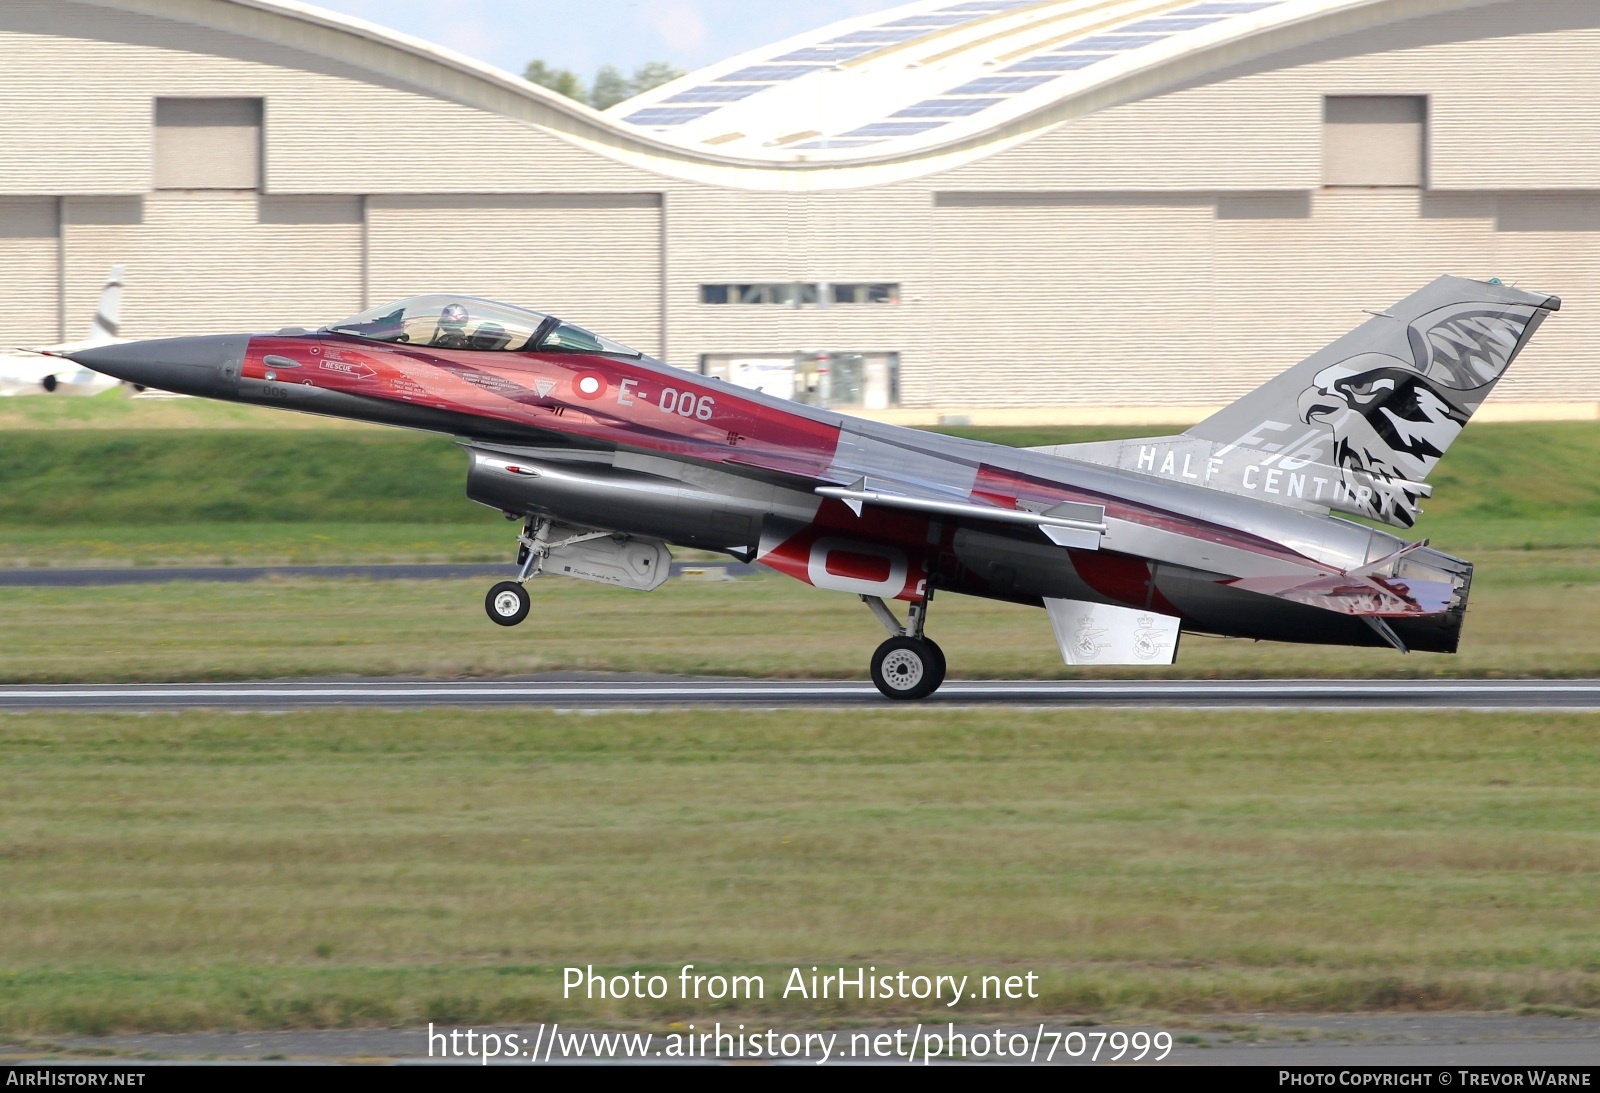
[605, 456]
[41, 371]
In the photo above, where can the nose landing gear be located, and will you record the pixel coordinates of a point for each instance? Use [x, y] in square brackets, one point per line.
[507, 602]
[908, 666]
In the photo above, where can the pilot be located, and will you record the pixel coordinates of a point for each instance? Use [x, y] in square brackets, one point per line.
[452, 332]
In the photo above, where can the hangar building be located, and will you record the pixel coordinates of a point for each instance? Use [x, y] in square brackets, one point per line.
[1004, 210]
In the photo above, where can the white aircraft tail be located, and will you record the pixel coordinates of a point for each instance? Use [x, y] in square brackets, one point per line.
[107, 325]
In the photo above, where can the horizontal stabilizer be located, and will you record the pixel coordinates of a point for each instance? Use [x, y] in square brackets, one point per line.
[1414, 581]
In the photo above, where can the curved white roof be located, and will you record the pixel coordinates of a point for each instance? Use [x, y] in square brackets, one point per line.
[933, 72]
[900, 93]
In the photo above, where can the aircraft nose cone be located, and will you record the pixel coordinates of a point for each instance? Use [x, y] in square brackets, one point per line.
[205, 366]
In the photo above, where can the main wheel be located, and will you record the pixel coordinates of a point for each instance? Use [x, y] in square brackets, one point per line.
[507, 603]
[907, 668]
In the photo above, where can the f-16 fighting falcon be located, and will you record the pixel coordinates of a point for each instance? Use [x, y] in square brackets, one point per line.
[605, 456]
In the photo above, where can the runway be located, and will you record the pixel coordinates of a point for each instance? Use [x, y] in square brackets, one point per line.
[660, 692]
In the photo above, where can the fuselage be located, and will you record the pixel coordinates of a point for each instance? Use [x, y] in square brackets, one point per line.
[628, 444]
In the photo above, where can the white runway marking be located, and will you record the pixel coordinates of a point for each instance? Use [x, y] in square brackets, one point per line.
[1395, 693]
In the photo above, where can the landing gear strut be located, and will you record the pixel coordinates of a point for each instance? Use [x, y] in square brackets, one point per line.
[908, 665]
[507, 602]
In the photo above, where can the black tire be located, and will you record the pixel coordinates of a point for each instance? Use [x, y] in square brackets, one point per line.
[938, 658]
[507, 603]
[906, 669]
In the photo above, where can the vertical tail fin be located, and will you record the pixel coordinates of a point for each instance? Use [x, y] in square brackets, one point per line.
[1371, 414]
[107, 325]
[1356, 426]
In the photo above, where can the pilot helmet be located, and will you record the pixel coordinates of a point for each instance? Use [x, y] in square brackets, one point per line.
[453, 317]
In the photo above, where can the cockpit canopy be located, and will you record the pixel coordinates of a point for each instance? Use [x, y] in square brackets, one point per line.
[442, 321]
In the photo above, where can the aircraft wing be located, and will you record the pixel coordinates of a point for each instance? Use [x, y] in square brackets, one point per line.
[1069, 523]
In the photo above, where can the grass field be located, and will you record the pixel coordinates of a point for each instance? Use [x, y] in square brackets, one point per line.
[1527, 617]
[209, 870]
[115, 409]
[212, 870]
[231, 492]
[1520, 500]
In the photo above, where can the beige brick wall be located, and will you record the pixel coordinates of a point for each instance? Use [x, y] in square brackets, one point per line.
[594, 259]
[215, 262]
[28, 300]
[1170, 252]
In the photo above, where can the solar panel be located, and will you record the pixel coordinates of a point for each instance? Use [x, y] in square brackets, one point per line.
[1228, 7]
[931, 19]
[830, 54]
[882, 34]
[988, 5]
[838, 143]
[1057, 62]
[668, 115]
[1169, 24]
[1113, 43]
[944, 108]
[713, 93]
[1000, 85]
[894, 128]
[764, 73]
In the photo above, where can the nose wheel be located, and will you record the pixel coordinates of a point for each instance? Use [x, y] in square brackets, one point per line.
[908, 666]
[507, 603]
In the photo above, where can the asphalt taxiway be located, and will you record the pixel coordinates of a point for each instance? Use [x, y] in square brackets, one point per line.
[592, 691]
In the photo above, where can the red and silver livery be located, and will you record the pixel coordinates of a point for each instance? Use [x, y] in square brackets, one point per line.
[605, 456]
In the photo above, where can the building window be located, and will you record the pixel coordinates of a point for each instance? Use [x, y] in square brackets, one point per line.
[208, 144]
[800, 293]
[866, 294]
[865, 381]
[1374, 140]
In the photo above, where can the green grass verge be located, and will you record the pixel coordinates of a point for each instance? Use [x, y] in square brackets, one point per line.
[156, 496]
[484, 538]
[1528, 617]
[214, 870]
[112, 479]
[115, 409]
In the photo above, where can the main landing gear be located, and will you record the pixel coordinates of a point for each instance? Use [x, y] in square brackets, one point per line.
[908, 665]
[507, 602]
